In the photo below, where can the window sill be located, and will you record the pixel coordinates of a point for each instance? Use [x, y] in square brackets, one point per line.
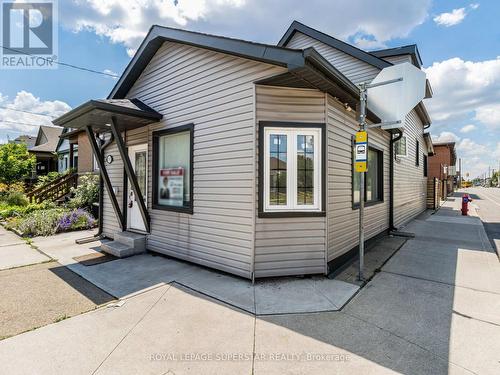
[285, 214]
[367, 204]
[185, 210]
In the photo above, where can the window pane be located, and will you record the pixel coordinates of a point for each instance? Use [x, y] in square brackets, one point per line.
[401, 146]
[174, 169]
[140, 171]
[372, 176]
[277, 169]
[305, 169]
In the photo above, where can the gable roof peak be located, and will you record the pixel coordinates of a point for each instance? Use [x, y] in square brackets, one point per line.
[329, 40]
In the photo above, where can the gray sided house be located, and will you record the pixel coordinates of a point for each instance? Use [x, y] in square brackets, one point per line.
[45, 149]
[239, 156]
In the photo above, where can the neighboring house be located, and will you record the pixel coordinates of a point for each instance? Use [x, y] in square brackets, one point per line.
[239, 155]
[74, 151]
[67, 155]
[28, 140]
[45, 149]
[442, 165]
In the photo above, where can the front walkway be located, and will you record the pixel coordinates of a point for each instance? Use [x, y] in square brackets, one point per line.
[433, 309]
[129, 276]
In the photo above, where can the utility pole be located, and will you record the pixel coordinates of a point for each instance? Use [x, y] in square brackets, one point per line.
[460, 173]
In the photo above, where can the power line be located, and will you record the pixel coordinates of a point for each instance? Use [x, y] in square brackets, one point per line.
[62, 63]
[23, 111]
[24, 123]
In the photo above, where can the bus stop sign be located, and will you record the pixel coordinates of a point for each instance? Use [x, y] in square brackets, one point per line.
[361, 152]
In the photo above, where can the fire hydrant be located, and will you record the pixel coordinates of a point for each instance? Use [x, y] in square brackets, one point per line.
[465, 204]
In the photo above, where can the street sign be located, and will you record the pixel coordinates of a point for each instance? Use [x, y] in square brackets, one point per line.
[391, 103]
[361, 151]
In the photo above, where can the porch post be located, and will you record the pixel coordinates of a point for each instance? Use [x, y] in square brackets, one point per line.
[71, 155]
[131, 174]
[104, 175]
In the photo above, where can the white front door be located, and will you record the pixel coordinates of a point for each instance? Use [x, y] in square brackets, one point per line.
[139, 158]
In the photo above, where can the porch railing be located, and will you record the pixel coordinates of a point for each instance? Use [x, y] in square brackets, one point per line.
[55, 190]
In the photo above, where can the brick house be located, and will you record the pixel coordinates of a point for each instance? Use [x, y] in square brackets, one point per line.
[442, 165]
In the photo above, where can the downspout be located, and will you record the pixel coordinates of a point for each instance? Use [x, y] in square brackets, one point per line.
[391, 178]
[101, 188]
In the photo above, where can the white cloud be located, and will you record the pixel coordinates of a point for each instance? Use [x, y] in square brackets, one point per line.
[445, 137]
[452, 18]
[469, 148]
[14, 116]
[464, 88]
[468, 128]
[489, 115]
[127, 21]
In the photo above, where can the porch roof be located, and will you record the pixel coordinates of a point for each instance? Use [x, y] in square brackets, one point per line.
[129, 114]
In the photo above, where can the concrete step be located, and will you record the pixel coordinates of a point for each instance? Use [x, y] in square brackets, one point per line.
[118, 249]
[135, 240]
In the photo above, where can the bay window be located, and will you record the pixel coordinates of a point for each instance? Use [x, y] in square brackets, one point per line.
[290, 169]
[172, 169]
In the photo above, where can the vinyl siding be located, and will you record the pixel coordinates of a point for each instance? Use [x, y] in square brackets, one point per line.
[354, 69]
[115, 172]
[289, 246]
[410, 185]
[342, 218]
[409, 196]
[215, 92]
[398, 59]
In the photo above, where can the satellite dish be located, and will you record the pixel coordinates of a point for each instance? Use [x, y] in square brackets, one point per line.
[394, 101]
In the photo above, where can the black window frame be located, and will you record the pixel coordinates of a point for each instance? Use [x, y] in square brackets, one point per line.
[417, 153]
[324, 165]
[425, 161]
[156, 136]
[380, 182]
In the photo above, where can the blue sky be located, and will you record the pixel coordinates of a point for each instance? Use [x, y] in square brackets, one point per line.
[459, 42]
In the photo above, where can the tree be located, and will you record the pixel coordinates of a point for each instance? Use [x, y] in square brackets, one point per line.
[16, 162]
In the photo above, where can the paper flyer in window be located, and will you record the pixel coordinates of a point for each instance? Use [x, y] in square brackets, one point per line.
[171, 189]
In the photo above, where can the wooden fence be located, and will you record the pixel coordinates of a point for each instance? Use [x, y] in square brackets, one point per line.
[434, 189]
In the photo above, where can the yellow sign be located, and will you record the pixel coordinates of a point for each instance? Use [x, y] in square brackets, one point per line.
[361, 137]
[361, 152]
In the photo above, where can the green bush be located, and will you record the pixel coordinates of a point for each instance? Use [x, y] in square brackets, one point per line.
[15, 198]
[8, 211]
[47, 222]
[86, 193]
[47, 179]
[37, 223]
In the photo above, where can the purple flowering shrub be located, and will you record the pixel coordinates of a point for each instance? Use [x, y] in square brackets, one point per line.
[75, 220]
[51, 221]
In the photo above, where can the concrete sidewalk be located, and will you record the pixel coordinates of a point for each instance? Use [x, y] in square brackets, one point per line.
[15, 252]
[124, 277]
[433, 309]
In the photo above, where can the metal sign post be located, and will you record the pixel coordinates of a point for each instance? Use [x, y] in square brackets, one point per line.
[361, 165]
[362, 129]
[391, 104]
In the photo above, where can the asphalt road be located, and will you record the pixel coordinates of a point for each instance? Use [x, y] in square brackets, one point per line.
[488, 202]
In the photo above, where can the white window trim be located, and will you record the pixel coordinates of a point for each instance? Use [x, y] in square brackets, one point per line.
[292, 205]
[406, 148]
